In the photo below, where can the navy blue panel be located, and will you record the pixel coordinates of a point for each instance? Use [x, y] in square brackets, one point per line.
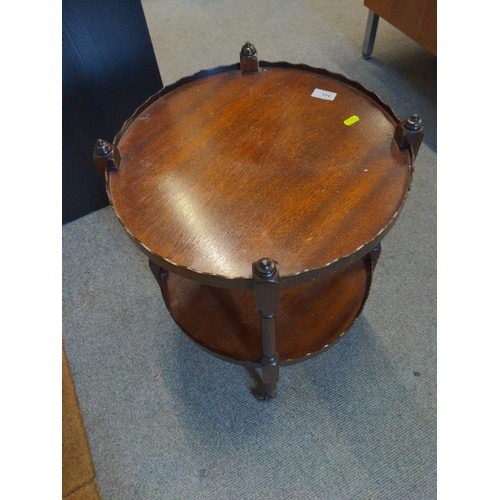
[109, 68]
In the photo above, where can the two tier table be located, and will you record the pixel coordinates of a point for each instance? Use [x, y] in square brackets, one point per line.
[260, 193]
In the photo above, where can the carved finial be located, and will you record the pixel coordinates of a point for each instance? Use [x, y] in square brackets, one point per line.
[103, 147]
[106, 157]
[265, 267]
[413, 123]
[249, 62]
[409, 134]
[248, 50]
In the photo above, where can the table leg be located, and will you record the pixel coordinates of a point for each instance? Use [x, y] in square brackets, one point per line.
[370, 33]
[374, 255]
[267, 298]
[270, 368]
[158, 271]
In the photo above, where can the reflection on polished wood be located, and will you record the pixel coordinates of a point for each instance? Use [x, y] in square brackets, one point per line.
[229, 168]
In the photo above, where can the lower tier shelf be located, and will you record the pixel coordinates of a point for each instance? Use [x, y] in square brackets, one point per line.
[311, 317]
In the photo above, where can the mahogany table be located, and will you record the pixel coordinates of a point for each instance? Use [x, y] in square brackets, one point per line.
[260, 193]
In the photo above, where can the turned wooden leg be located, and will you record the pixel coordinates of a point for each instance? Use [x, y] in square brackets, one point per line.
[267, 298]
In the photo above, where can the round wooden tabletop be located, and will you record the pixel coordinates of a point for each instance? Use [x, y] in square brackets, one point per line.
[288, 163]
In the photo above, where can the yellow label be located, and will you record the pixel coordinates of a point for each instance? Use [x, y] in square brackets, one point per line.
[351, 120]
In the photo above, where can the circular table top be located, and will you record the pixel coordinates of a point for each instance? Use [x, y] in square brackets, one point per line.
[230, 168]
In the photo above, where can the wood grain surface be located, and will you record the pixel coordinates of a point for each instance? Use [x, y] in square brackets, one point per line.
[415, 18]
[230, 168]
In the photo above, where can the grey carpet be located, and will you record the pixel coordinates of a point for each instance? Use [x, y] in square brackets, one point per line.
[166, 420]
